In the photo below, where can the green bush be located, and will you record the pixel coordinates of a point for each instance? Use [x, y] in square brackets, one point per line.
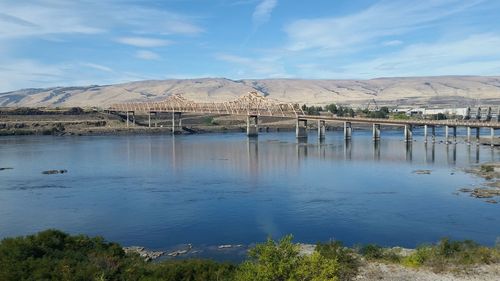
[54, 255]
[372, 252]
[272, 261]
[346, 258]
[190, 270]
[447, 254]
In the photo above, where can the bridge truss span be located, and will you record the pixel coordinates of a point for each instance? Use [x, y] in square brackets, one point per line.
[251, 104]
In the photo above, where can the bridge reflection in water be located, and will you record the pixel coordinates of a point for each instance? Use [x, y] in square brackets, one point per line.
[256, 156]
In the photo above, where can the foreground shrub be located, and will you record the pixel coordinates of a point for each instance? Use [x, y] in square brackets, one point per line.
[192, 270]
[54, 255]
[448, 254]
[346, 258]
[273, 261]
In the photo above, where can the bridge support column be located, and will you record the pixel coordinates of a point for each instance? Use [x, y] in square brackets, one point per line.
[149, 119]
[478, 135]
[469, 129]
[347, 130]
[252, 125]
[376, 132]
[425, 133]
[321, 129]
[492, 137]
[433, 132]
[176, 123]
[408, 133]
[127, 119]
[454, 134]
[133, 118]
[301, 129]
[446, 134]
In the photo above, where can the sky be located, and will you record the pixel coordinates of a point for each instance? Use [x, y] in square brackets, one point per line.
[46, 43]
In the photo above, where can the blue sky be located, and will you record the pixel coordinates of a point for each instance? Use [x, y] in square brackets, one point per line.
[47, 43]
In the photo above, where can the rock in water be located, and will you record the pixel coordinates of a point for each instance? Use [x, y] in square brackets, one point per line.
[54, 172]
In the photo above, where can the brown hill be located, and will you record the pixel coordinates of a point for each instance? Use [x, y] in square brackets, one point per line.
[445, 90]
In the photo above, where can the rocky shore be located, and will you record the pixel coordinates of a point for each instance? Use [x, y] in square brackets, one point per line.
[490, 189]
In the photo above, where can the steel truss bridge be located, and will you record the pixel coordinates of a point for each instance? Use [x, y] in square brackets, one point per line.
[254, 106]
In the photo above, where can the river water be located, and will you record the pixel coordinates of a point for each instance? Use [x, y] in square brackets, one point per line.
[211, 189]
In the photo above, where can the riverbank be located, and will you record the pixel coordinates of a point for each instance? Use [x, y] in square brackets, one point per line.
[79, 122]
[54, 255]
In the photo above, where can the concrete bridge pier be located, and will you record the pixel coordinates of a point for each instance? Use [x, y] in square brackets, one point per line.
[408, 133]
[469, 129]
[129, 119]
[447, 134]
[492, 137]
[425, 133]
[454, 134]
[252, 125]
[347, 130]
[301, 128]
[321, 129]
[433, 132]
[176, 123]
[376, 132]
[478, 135]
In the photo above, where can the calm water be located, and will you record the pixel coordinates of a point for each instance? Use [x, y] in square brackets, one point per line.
[161, 191]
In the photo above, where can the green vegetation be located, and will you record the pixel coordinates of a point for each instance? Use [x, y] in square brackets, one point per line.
[347, 258]
[312, 110]
[210, 121]
[281, 261]
[445, 255]
[54, 255]
[448, 254]
[341, 111]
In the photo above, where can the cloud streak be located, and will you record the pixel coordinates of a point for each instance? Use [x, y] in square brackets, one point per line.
[147, 55]
[143, 42]
[35, 18]
[386, 18]
[262, 12]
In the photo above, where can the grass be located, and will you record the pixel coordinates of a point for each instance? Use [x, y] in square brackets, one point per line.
[446, 255]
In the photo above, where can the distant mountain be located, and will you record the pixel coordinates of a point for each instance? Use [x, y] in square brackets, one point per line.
[443, 90]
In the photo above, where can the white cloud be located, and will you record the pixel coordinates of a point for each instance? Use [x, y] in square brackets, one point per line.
[262, 12]
[475, 55]
[143, 42]
[386, 18]
[97, 66]
[392, 43]
[147, 55]
[47, 17]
